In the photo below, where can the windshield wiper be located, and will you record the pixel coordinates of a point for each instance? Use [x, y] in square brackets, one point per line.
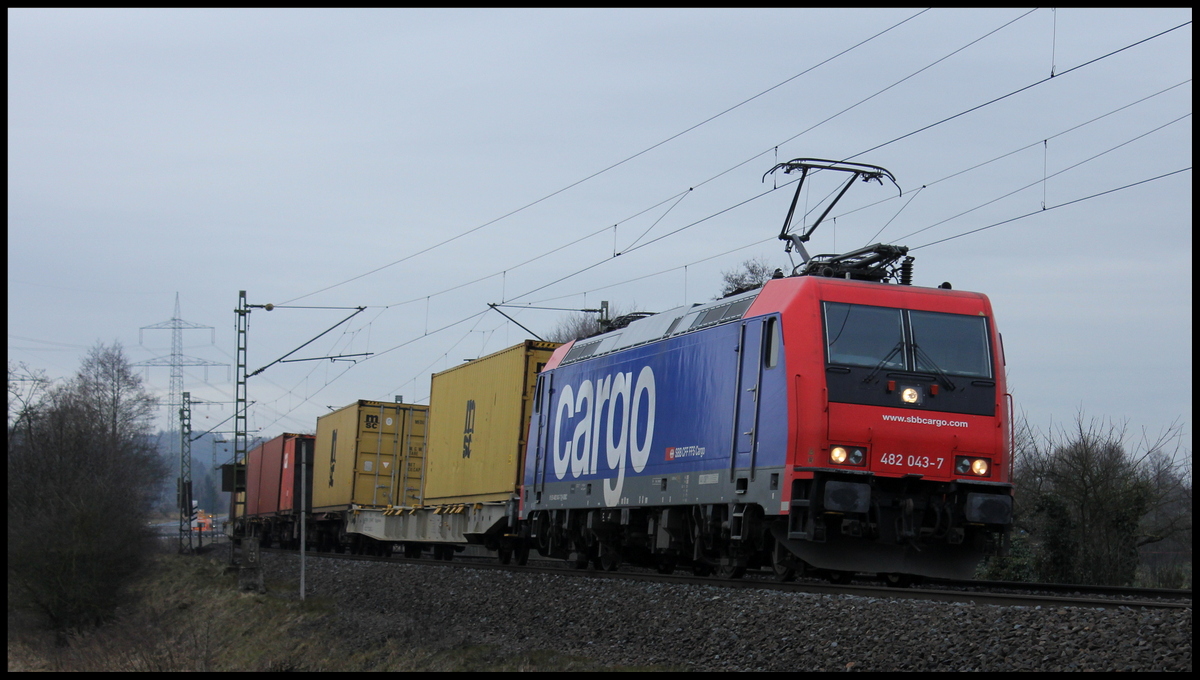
[870, 376]
[940, 372]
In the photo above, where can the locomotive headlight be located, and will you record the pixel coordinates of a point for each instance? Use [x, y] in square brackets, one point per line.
[847, 455]
[909, 395]
[980, 467]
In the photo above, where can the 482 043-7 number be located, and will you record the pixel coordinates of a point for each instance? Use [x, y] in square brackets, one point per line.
[911, 461]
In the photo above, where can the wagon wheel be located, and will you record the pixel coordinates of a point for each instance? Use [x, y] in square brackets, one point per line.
[731, 571]
[898, 580]
[840, 578]
[505, 554]
[523, 553]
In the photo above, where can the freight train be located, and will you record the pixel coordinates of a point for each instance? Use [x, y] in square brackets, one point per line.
[835, 421]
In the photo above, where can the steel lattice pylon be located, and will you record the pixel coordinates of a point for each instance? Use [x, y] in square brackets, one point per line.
[177, 360]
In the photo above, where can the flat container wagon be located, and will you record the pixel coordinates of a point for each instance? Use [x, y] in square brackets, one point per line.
[479, 419]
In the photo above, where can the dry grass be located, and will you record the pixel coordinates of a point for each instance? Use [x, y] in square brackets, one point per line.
[189, 617]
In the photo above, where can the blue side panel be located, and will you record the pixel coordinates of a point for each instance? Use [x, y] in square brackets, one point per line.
[661, 409]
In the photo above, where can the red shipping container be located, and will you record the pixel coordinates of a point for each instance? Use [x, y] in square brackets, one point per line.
[264, 465]
[289, 483]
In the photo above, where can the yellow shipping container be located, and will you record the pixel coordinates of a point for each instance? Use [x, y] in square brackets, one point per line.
[369, 453]
[478, 424]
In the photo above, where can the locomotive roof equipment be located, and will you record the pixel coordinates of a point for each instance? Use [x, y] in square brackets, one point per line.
[872, 263]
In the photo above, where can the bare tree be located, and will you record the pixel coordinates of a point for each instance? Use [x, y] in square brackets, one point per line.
[81, 478]
[26, 387]
[750, 274]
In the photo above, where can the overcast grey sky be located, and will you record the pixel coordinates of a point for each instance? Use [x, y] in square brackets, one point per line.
[203, 152]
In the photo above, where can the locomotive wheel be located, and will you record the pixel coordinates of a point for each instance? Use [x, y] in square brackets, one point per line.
[731, 571]
[665, 566]
[610, 558]
[781, 564]
[701, 569]
[523, 553]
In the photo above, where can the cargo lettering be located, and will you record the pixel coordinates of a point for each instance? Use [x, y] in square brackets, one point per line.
[623, 400]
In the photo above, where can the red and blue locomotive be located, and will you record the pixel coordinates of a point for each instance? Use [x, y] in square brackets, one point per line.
[828, 422]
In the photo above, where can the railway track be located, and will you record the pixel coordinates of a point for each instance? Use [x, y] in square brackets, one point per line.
[978, 592]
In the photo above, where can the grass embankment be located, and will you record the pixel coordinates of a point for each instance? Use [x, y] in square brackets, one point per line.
[189, 616]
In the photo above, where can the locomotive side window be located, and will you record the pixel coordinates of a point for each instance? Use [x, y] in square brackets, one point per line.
[860, 335]
[771, 341]
[955, 343]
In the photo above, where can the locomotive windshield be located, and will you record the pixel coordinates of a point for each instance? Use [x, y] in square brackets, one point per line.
[955, 343]
[898, 339]
[859, 335]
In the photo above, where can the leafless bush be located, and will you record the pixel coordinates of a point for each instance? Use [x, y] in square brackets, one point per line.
[1090, 504]
[81, 478]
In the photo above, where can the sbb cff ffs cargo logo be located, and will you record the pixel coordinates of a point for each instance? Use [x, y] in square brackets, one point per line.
[680, 452]
[626, 400]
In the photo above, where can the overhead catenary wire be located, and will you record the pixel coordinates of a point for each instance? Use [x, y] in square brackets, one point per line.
[1053, 207]
[921, 129]
[679, 195]
[947, 177]
[1036, 182]
[1016, 151]
[1019, 90]
[614, 165]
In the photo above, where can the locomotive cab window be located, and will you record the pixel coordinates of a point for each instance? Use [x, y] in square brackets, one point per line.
[860, 335]
[955, 343]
